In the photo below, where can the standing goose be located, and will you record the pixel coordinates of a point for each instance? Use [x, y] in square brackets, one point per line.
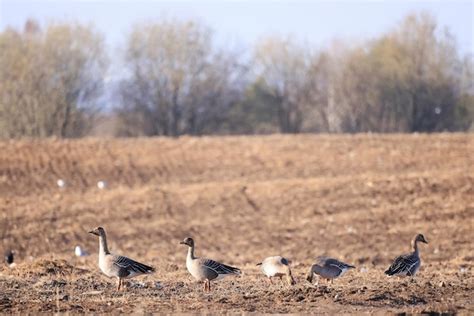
[277, 266]
[407, 264]
[206, 269]
[328, 268]
[117, 266]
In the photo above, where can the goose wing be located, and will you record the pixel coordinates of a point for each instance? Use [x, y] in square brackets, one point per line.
[339, 264]
[331, 262]
[131, 266]
[219, 268]
[403, 264]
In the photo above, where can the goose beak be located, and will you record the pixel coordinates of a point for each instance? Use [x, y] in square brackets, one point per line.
[182, 243]
[93, 233]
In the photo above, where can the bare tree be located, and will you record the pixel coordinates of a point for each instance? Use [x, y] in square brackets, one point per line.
[212, 98]
[177, 82]
[283, 65]
[464, 116]
[429, 58]
[408, 80]
[49, 80]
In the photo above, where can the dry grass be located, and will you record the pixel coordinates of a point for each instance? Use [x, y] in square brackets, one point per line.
[358, 198]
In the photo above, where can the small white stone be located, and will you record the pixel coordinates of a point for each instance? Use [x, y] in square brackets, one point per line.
[79, 252]
[61, 183]
[101, 184]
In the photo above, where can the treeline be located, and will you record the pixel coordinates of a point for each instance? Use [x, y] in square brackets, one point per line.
[175, 80]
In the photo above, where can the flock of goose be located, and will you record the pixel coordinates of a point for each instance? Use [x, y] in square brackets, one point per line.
[207, 270]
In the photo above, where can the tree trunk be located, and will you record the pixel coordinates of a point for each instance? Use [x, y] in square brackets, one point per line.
[175, 113]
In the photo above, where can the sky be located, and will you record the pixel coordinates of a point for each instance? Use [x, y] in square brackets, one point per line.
[245, 22]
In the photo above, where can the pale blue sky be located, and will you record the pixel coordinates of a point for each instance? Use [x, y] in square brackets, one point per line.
[244, 22]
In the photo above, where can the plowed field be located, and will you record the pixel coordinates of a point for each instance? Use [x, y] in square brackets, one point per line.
[357, 198]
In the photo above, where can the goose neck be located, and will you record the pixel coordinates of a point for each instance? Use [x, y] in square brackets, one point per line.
[415, 247]
[103, 249]
[191, 253]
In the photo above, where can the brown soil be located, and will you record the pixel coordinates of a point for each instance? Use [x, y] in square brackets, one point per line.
[357, 198]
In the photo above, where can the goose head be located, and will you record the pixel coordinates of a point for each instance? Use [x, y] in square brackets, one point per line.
[98, 231]
[420, 238]
[188, 242]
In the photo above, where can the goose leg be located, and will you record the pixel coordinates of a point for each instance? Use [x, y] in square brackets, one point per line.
[119, 284]
[207, 286]
[270, 278]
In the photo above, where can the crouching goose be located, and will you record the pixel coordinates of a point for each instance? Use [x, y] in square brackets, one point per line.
[9, 258]
[407, 264]
[117, 266]
[277, 266]
[328, 268]
[206, 269]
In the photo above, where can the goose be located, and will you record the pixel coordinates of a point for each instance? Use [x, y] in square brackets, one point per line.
[407, 264]
[328, 268]
[206, 270]
[277, 266]
[9, 258]
[117, 266]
